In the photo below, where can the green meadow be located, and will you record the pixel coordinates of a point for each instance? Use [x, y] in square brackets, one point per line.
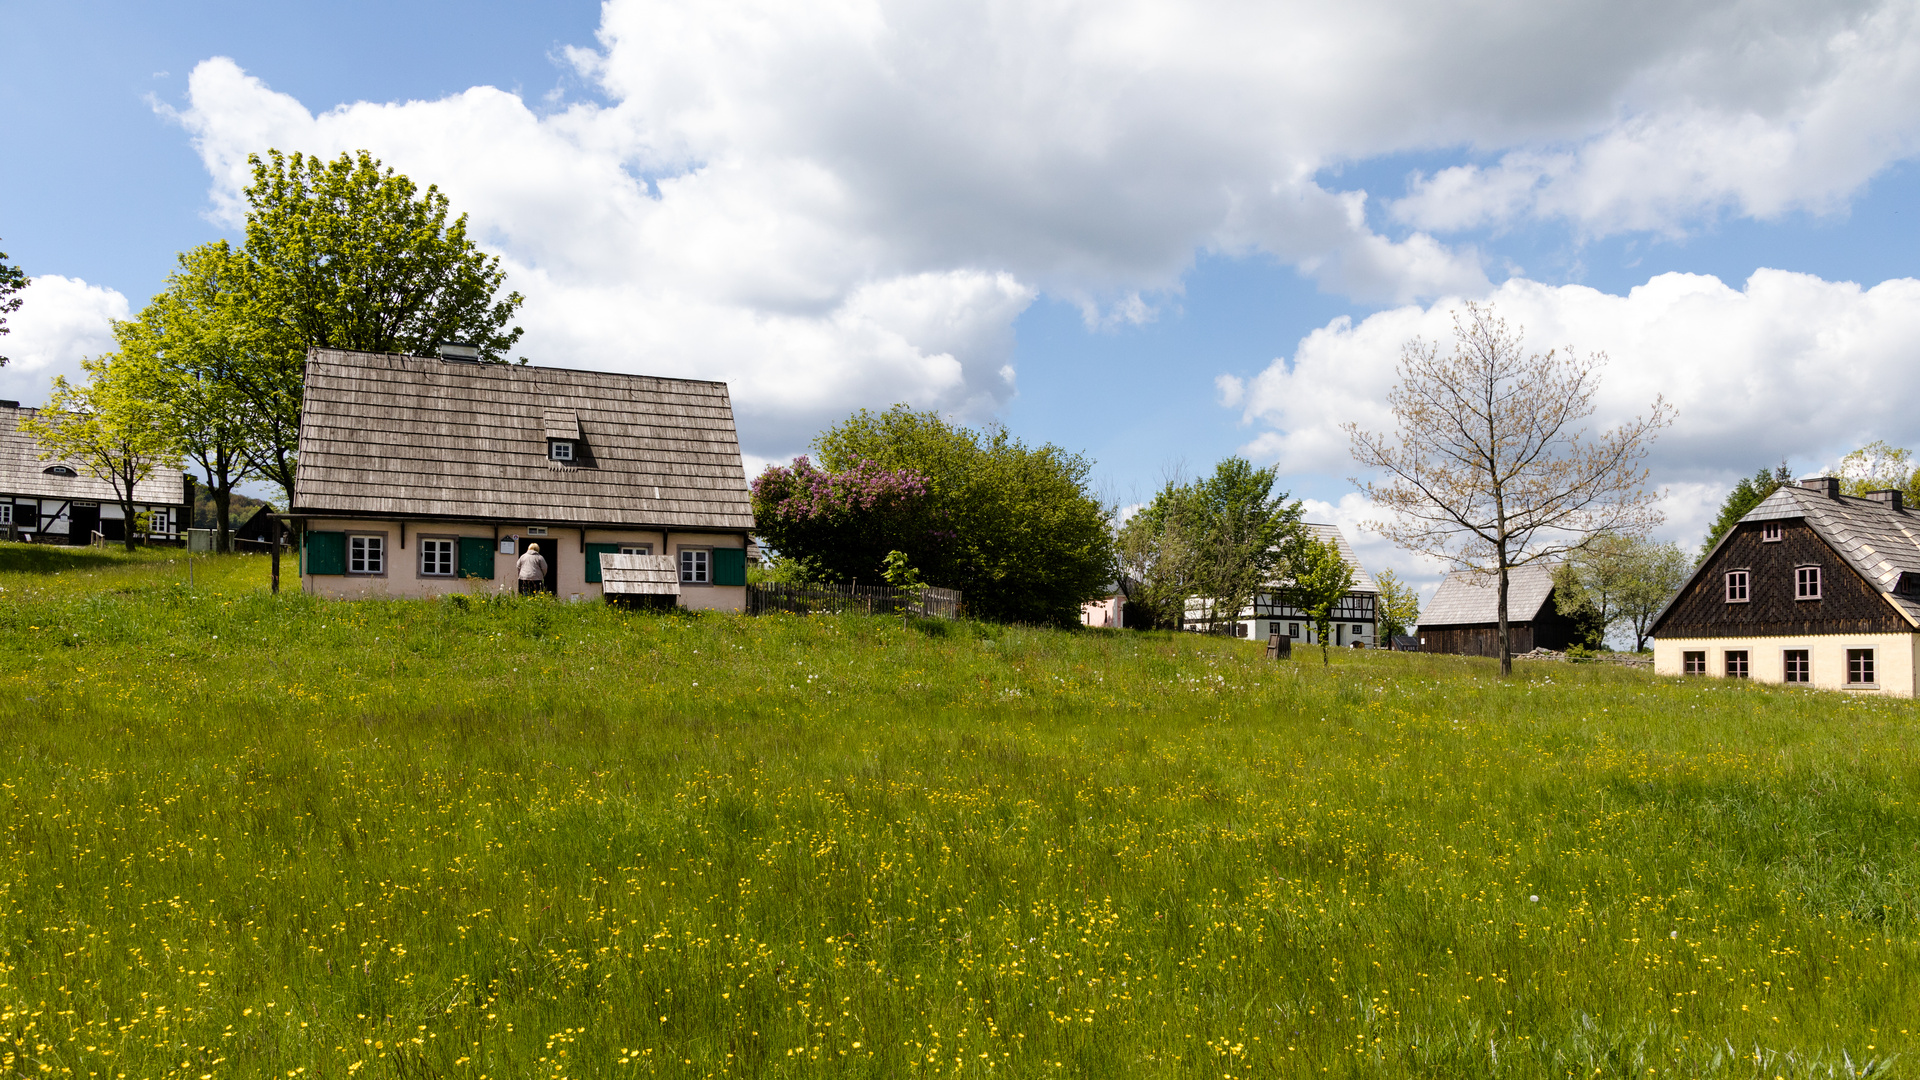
[251, 836]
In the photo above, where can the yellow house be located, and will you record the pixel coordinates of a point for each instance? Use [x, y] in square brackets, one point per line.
[1812, 588]
[423, 475]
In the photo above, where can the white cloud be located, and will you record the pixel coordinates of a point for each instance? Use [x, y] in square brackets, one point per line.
[1769, 108]
[63, 321]
[849, 202]
[1790, 367]
[1352, 514]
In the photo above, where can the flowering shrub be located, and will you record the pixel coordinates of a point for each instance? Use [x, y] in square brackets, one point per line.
[841, 525]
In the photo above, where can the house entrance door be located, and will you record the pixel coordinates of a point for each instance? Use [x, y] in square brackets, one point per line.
[81, 523]
[551, 546]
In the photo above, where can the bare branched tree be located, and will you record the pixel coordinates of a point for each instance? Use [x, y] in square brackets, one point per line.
[1491, 467]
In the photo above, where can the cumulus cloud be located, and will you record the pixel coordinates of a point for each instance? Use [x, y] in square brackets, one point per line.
[63, 321]
[850, 202]
[1791, 367]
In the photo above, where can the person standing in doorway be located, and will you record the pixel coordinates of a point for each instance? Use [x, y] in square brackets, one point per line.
[533, 571]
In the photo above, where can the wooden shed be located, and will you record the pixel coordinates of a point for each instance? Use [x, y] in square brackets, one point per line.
[56, 501]
[426, 475]
[1464, 615]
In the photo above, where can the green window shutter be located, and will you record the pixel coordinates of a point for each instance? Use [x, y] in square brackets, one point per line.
[729, 566]
[476, 557]
[326, 553]
[594, 551]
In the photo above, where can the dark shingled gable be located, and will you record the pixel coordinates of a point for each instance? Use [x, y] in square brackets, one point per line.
[407, 436]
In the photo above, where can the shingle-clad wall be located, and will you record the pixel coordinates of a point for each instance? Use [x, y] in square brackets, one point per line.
[1848, 603]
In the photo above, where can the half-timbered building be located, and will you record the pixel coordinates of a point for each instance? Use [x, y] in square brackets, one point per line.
[1463, 618]
[1812, 587]
[57, 501]
[1354, 618]
[428, 475]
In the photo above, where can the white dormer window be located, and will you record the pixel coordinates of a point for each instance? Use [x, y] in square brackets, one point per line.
[560, 450]
[1770, 532]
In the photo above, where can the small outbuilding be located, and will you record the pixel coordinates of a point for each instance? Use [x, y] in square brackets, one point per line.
[55, 501]
[428, 475]
[1463, 617]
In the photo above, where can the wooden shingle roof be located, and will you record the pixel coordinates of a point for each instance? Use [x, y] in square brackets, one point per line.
[396, 435]
[1470, 598]
[22, 472]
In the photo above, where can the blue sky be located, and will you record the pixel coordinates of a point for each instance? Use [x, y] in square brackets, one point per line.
[1159, 238]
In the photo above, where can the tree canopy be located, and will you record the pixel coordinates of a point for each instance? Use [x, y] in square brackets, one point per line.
[1746, 495]
[1490, 466]
[1399, 606]
[1320, 578]
[12, 281]
[1014, 527]
[1220, 540]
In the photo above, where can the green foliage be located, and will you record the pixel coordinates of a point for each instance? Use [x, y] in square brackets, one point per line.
[12, 281]
[115, 425]
[452, 841]
[1745, 495]
[1398, 606]
[1320, 578]
[1620, 581]
[1220, 539]
[195, 336]
[1878, 466]
[1580, 654]
[900, 572]
[342, 254]
[1014, 527]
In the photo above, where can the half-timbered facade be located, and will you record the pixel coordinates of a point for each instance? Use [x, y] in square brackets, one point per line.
[55, 501]
[1355, 618]
[1463, 618]
[1812, 588]
[428, 475]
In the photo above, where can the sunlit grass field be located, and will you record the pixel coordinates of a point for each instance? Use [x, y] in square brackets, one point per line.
[249, 835]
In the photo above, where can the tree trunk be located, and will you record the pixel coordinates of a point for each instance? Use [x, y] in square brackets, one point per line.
[223, 516]
[126, 525]
[1506, 640]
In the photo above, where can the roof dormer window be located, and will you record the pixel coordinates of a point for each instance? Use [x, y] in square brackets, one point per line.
[59, 470]
[560, 449]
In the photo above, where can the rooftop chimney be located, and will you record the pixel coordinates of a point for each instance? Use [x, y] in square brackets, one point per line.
[8, 404]
[459, 350]
[1825, 485]
[1890, 496]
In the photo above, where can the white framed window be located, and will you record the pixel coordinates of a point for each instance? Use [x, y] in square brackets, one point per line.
[1770, 532]
[1293, 629]
[366, 554]
[695, 566]
[1860, 667]
[1359, 630]
[536, 530]
[437, 557]
[6, 513]
[560, 450]
[636, 549]
[1694, 663]
[1806, 583]
[1736, 586]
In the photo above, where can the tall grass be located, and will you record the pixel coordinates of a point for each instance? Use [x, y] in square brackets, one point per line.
[251, 835]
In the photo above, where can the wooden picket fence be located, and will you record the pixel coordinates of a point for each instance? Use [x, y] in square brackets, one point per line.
[927, 602]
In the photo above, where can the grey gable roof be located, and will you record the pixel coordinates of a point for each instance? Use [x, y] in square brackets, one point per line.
[410, 435]
[23, 473]
[1877, 541]
[1468, 598]
[1362, 581]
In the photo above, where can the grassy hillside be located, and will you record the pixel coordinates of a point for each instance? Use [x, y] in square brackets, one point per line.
[249, 836]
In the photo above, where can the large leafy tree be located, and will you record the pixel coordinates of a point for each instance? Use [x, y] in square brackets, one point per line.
[1220, 540]
[195, 339]
[1491, 466]
[12, 280]
[344, 254]
[1012, 526]
[115, 425]
[1746, 495]
[1619, 581]
[842, 526]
